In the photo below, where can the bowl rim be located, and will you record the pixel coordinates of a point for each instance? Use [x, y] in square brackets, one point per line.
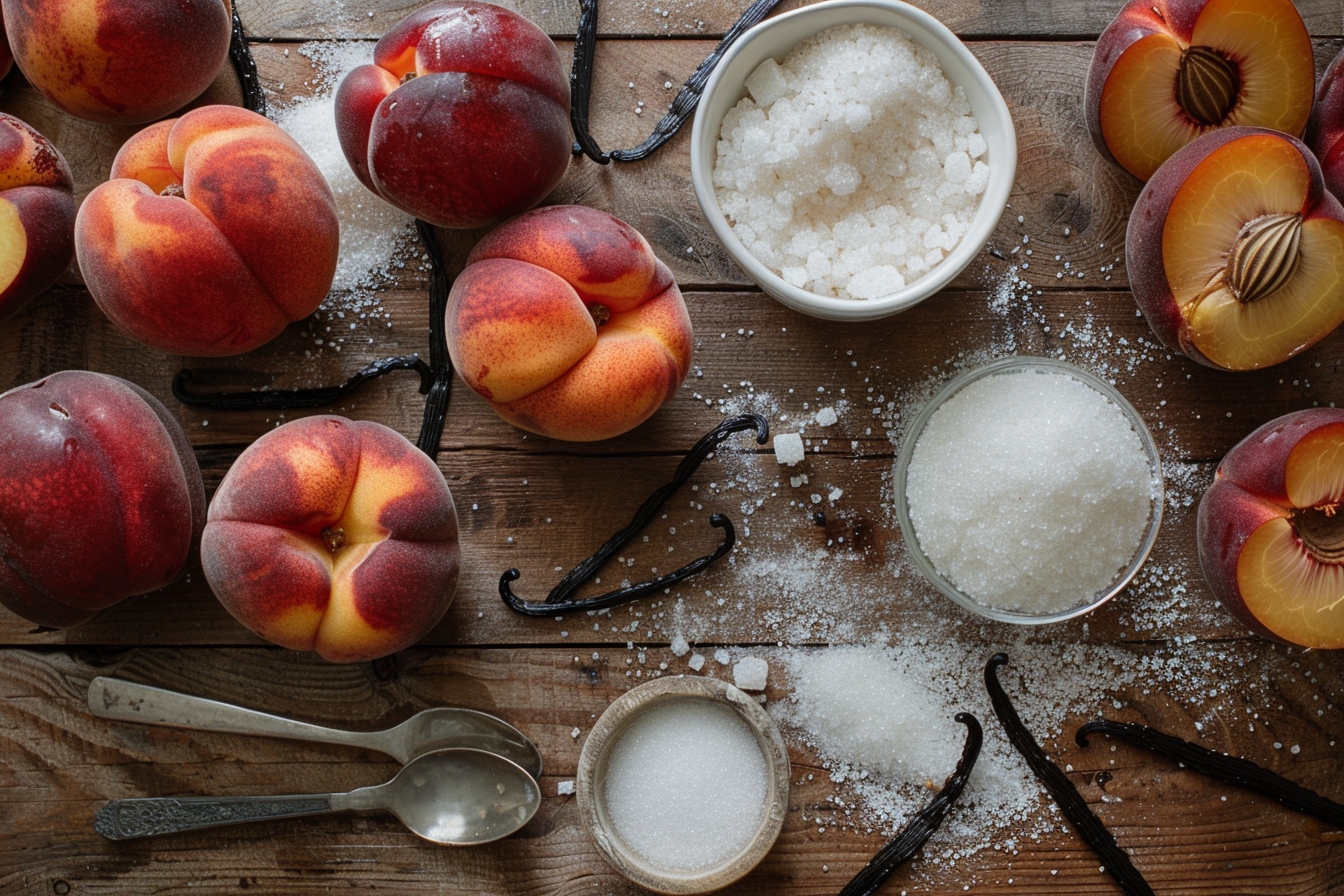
[996, 195]
[592, 768]
[1014, 364]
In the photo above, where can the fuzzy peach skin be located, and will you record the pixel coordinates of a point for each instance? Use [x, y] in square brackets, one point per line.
[1132, 102]
[100, 496]
[568, 325]
[1268, 532]
[1326, 125]
[336, 536]
[463, 117]
[215, 232]
[1189, 217]
[119, 61]
[6, 55]
[37, 214]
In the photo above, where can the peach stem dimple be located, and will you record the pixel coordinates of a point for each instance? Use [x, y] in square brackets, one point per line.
[174, 190]
[601, 313]
[334, 538]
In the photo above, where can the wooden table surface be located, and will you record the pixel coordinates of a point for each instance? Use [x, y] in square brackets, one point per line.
[1162, 653]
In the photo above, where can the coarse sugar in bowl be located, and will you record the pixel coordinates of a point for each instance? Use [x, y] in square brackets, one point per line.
[852, 156]
[1028, 490]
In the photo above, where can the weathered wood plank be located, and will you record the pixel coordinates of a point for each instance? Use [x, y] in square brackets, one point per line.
[58, 764]
[297, 20]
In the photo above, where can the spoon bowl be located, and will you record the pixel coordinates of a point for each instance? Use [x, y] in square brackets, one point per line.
[430, 729]
[455, 797]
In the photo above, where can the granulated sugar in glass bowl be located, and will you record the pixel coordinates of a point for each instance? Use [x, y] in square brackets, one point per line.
[852, 156]
[1029, 490]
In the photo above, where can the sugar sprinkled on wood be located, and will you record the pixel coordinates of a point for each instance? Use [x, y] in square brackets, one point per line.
[686, 784]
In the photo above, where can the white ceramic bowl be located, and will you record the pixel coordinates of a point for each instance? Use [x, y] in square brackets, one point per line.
[921, 561]
[774, 38]
[592, 771]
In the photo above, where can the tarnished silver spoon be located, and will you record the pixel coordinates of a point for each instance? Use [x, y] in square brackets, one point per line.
[430, 729]
[456, 797]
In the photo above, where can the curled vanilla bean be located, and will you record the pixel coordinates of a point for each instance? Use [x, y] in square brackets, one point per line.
[240, 55]
[283, 399]
[560, 598]
[683, 105]
[1241, 772]
[919, 829]
[1061, 789]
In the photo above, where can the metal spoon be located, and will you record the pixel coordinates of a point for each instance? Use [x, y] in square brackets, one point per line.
[430, 729]
[457, 797]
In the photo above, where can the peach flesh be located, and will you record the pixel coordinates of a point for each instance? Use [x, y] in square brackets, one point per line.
[1164, 73]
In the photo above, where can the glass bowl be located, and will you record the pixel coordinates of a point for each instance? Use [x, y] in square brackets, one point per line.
[774, 38]
[925, 565]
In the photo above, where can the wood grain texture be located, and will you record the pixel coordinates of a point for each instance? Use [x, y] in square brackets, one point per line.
[58, 765]
[819, 563]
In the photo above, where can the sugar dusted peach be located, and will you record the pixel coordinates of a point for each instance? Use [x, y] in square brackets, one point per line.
[37, 214]
[100, 496]
[336, 536]
[215, 232]
[568, 325]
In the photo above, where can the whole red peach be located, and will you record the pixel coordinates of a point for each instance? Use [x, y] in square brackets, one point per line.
[568, 324]
[1326, 125]
[37, 214]
[1166, 71]
[1271, 539]
[215, 232]
[336, 536]
[100, 496]
[119, 61]
[463, 117]
[1235, 250]
[6, 55]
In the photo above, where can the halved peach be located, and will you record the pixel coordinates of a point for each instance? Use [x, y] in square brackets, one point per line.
[1235, 250]
[1166, 71]
[1271, 537]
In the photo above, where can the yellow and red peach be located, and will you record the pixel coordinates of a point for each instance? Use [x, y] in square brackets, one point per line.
[123, 62]
[215, 232]
[336, 536]
[37, 214]
[100, 496]
[1166, 71]
[1271, 542]
[1326, 126]
[463, 117]
[1235, 250]
[568, 325]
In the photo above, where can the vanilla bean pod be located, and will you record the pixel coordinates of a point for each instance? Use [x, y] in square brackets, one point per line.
[1061, 789]
[240, 55]
[1241, 772]
[436, 400]
[285, 399]
[911, 838]
[683, 105]
[560, 598]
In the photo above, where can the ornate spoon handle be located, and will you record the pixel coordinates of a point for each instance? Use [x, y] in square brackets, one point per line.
[128, 819]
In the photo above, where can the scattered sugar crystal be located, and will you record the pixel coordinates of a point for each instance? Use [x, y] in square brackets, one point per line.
[826, 416]
[789, 448]
[679, 646]
[751, 673]
[697, 662]
[767, 83]
[870, 142]
[565, 788]
[722, 657]
[1030, 491]
[686, 784]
